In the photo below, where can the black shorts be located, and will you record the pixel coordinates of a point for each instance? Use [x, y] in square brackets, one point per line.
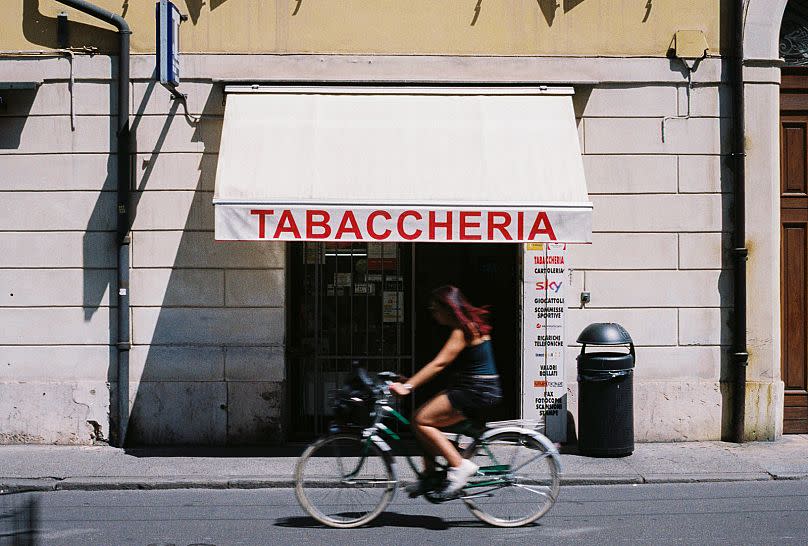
[472, 396]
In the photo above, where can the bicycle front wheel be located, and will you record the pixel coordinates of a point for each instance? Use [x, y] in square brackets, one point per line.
[344, 480]
[517, 483]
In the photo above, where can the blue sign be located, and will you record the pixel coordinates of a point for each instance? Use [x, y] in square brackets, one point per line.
[168, 43]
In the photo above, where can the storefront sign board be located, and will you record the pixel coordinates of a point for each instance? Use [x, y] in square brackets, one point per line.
[281, 222]
[544, 392]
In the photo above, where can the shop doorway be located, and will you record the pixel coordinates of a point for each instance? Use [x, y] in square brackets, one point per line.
[366, 304]
[794, 247]
[488, 274]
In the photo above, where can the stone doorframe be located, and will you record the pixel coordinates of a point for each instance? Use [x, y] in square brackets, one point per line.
[761, 44]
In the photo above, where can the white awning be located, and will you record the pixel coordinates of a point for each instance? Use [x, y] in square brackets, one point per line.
[401, 164]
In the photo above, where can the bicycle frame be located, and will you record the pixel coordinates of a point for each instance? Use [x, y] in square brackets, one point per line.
[373, 435]
[378, 433]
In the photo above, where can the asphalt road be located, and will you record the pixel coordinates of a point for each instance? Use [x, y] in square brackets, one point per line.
[767, 512]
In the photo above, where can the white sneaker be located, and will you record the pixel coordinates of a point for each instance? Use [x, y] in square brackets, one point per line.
[457, 477]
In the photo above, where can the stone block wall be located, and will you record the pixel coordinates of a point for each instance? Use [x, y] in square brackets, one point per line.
[57, 257]
[658, 264]
[208, 321]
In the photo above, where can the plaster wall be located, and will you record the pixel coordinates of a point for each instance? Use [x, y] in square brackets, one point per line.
[466, 27]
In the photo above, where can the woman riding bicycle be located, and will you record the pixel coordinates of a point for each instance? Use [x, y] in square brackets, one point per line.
[474, 388]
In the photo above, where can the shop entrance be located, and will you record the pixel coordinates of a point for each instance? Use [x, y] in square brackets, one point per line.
[488, 274]
[365, 304]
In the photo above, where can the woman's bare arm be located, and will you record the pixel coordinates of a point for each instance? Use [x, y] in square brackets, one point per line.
[447, 354]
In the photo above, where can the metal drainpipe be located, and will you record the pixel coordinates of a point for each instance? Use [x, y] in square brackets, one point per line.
[739, 355]
[123, 214]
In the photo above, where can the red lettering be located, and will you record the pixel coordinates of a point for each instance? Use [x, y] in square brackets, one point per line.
[322, 223]
[348, 225]
[537, 229]
[403, 234]
[466, 223]
[501, 226]
[262, 215]
[287, 224]
[554, 260]
[434, 225]
[520, 225]
[372, 217]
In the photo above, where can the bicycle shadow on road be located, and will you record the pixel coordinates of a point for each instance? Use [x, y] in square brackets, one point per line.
[387, 519]
[391, 519]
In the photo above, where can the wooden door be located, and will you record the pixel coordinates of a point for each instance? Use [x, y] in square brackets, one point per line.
[794, 247]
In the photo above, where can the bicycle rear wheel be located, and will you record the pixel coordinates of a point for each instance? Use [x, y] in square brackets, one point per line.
[344, 480]
[519, 481]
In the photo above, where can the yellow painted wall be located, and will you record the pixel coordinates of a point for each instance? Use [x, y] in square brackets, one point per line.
[454, 27]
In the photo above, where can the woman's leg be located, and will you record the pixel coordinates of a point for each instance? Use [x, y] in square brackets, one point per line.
[430, 418]
[423, 441]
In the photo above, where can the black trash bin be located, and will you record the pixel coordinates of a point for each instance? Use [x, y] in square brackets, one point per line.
[605, 392]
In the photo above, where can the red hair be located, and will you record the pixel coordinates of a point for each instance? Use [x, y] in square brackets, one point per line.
[472, 320]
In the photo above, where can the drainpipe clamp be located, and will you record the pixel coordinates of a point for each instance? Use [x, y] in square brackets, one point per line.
[740, 358]
[741, 252]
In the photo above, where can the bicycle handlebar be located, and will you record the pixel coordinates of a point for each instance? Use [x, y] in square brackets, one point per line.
[383, 386]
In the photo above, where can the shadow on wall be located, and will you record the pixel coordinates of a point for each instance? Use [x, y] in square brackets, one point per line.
[99, 237]
[99, 250]
[202, 327]
[548, 9]
[15, 104]
[570, 4]
[41, 30]
[195, 7]
[159, 413]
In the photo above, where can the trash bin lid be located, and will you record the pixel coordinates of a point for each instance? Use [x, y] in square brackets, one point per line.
[604, 333]
[608, 361]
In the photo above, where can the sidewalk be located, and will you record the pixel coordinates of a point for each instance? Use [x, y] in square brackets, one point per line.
[48, 468]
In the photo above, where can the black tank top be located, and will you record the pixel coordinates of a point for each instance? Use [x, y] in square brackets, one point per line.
[477, 360]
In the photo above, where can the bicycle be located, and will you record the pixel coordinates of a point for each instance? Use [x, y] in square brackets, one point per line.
[348, 477]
